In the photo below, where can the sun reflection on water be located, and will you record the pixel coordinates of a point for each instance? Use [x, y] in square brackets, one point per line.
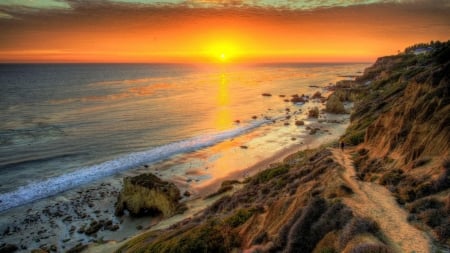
[223, 116]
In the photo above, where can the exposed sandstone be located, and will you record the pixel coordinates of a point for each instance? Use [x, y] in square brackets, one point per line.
[146, 194]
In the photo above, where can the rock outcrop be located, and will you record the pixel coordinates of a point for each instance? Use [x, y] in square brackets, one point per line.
[146, 194]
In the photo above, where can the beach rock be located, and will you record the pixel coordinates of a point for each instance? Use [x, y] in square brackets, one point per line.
[53, 248]
[114, 227]
[8, 248]
[313, 112]
[187, 194]
[266, 95]
[38, 251]
[299, 123]
[77, 248]
[298, 99]
[94, 227]
[313, 131]
[317, 95]
[146, 194]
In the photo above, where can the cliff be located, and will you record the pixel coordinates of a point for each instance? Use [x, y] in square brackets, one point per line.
[402, 126]
[357, 200]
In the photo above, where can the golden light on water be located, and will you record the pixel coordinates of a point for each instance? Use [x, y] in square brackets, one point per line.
[223, 116]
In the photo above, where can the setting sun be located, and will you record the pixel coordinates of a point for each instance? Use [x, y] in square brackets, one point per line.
[223, 51]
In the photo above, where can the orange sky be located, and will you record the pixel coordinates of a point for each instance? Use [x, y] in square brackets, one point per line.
[104, 31]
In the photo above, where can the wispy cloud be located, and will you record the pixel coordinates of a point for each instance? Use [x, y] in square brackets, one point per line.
[292, 4]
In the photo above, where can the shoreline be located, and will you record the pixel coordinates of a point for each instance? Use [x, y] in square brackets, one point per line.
[198, 204]
[62, 221]
[310, 142]
[66, 220]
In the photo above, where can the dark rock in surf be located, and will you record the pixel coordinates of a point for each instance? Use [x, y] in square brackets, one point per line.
[8, 248]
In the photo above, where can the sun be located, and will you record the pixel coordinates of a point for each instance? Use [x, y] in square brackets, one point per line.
[223, 57]
[221, 51]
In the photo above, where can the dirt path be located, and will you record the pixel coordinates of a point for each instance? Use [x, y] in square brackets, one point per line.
[375, 201]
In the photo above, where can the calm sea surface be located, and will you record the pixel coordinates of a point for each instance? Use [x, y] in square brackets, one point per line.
[62, 126]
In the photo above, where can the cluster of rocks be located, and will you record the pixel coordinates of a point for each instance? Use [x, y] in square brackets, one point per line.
[95, 226]
[82, 213]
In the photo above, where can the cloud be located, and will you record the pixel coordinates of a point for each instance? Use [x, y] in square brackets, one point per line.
[36, 3]
[100, 28]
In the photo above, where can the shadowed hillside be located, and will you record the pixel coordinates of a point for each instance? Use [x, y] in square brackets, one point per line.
[315, 200]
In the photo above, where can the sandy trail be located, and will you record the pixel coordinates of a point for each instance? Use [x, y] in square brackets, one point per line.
[376, 202]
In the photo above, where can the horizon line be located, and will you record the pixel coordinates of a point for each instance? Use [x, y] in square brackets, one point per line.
[192, 63]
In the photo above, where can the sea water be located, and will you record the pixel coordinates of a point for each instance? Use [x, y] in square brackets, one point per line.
[67, 125]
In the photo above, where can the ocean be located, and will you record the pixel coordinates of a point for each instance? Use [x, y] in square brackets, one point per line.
[63, 126]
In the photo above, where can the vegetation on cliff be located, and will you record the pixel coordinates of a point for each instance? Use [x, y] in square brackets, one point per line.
[294, 206]
[403, 127]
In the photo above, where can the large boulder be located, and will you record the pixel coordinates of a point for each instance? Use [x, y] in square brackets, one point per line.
[146, 194]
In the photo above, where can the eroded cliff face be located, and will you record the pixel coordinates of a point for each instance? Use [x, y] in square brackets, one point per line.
[415, 123]
[402, 128]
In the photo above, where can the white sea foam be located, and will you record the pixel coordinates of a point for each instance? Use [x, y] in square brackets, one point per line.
[42, 189]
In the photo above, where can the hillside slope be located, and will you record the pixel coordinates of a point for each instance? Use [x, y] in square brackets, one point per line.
[402, 126]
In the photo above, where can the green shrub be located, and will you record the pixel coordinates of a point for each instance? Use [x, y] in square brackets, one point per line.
[355, 227]
[300, 237]
[327, 250]
[261, 238]
[214, 236]
[270, 173]
[392, 177]
[424, 204]
[354, 137]
[239, 217]
[371, 248]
